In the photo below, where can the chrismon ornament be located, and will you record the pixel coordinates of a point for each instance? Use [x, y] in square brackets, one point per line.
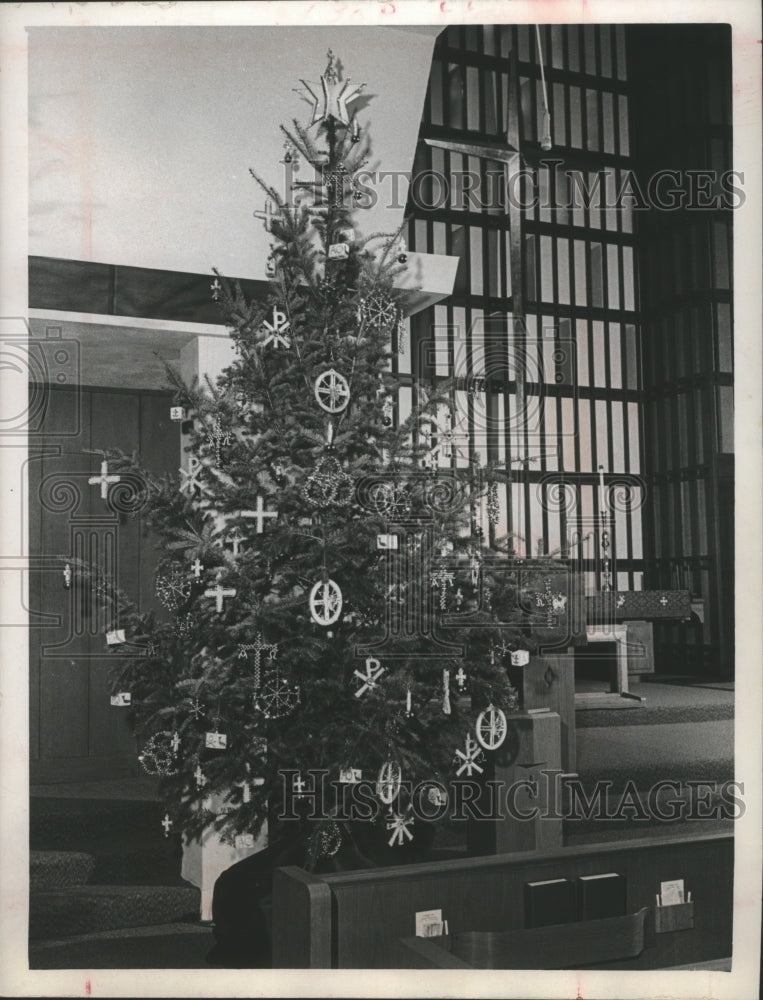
[471, 758]
[369, 679]
[332, 391]
[328, 484]
[158, 755]
[388, 782]
[276, 332]
[337, 94]
[399, 823]
[276, 697]
[173, 588]
[491, 727]
[325, 602]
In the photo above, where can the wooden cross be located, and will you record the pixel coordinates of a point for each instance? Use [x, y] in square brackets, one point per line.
[166, 823]
[220, 593]
[104, 479]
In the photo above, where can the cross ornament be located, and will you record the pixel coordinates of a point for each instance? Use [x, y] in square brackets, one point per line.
[166, 823]
[220, 593]
[299, 784]
[267, 215]
[260, 514]
[216, 288]
[235, 540]
[200, 777]
[104, 479]
[190, 476]
[461, 678]
[663, 601]
[197, 568]
[257, 647]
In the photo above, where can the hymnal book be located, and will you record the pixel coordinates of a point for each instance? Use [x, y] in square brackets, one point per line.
[602, 896]
[549, 902]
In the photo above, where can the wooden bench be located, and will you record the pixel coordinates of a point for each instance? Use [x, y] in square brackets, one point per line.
[356, 919]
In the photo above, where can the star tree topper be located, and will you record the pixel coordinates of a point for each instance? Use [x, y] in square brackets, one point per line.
[337, 94]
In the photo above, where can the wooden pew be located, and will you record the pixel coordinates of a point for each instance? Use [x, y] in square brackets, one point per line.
[355, 920]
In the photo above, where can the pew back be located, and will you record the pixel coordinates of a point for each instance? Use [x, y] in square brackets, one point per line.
[355, 920]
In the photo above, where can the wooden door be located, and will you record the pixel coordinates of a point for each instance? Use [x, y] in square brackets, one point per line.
[75, 733]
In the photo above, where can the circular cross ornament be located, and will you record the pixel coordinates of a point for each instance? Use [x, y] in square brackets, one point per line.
[325, 602]
[332, 391]
[491, 728]
[389, 781]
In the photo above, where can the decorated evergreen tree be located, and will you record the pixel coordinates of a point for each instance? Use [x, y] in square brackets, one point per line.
[315, 545]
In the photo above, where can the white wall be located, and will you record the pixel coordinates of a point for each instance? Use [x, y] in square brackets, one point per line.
[141, 139]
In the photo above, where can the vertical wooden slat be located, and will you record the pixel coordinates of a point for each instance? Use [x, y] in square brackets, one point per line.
[115, 424]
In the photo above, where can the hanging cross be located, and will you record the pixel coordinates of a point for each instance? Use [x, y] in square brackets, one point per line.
[298, 784]
[461, 677]
[374, 670]
[220, 593]
[104, 479]
[218, 437]
[257, 647]
[663, 601]
[443, 579]
[199, 776]
[267, 215]
[166, 823]
[197, 567]
[175, 742]
[236, 539]
[246, 790]
[260, 514]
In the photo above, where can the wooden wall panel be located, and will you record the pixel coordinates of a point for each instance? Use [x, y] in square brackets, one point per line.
[75, 732]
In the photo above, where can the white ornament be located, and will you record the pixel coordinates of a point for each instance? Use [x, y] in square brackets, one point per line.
[350, 775]
[399, 823]
[104, 479]
[491, 727]
[67, 576]
[520, 657]
[243, 841]
[387, 543]
[374, 670]
[471, 755]
[277, 330]
[197, 568]
[200, 777]
[220, 593]
[267, 215]
[177, 413]
[215, 741]
[115, 637]
[461, 678]
[191, 482]
[339, 251]
[388, 782]
[325, 602]
[121, 700]
[332, 391]
[166, 823]
[260, 514]
[446, 692]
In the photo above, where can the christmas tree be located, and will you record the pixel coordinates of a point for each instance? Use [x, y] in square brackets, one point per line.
[330, 601]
